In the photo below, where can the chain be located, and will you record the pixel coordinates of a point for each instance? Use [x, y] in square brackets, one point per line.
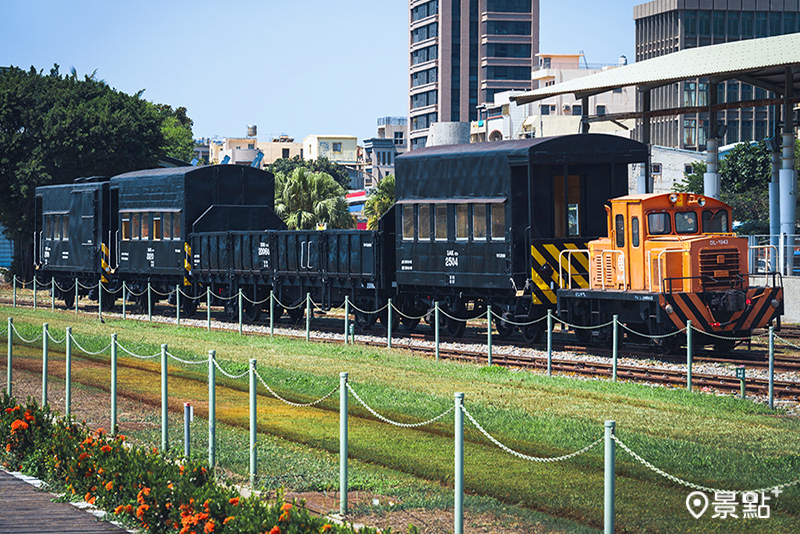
[87, 287]
[87, 351]
[37, 338]
[709, 334]
[138, 356]
[135, 294]
[221, 370]
[186, 295]
[65, 290]
[513, 323]
[356, 308]
[113, 292]
[54, 340]
[162, 294]
[785, 341]
[255, 303]
[188, 362]
[451, 317]
[408, 316]
[583, 327]
[661, 336]
[690, 484]
[525, 456]
[290, 403]
[395, 423]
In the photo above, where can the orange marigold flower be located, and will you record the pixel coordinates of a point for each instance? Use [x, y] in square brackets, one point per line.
[8, 447]
[169, 486]
[168, 505]
[205, 504]
[141, 510]
[119, 509]
[100, 431]
[87, 497]
[105, 448]
[83, 456]
[128, 508]
[210, 526]
[326, 527]
[201, 517]
[101, 471]
[18, 425]
[28, 416]
[181, 468]
[229, 518]
[284, 517]
[121, 438]
[275, 530]
[91, 501]
[234, 501]
[286, 507]
[109, 486]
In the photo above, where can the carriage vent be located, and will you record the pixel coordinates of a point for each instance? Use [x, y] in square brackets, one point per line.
[600, 270]
[719, 268]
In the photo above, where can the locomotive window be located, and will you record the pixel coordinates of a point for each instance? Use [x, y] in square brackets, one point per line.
[176, 226]
[156, 227]
[635, 231]
[441, 222]
[424, 226]
[167, 226]
[686, 222]
[715, 222]
[498, 222]
[145, 226]
[462, 221]
[408, 222]
[126, 227]
[573, 220]
[659, 223]
[135, 228]
[619, 230]
[479, 222]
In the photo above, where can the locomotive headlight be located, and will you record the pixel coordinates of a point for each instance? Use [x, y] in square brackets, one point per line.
[673, 198]
[702, 201]
[668, 308]
[775, 303]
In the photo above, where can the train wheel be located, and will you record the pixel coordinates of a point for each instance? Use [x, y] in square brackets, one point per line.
[296, 314]
[252, 311]
[189, 306]
[724, 345]
[69, 299]
[231, 310]
[409, 324]
[108, 303]
[504, 329]
[533, 333]
[456, 326]
[583, 334]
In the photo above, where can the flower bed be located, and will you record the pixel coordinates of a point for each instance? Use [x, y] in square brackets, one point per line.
[143, 488]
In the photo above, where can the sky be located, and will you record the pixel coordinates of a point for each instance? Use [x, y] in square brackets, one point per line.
[296, 67]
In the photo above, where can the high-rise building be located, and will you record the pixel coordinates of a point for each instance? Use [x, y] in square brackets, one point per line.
[462, 52]
[665, 26]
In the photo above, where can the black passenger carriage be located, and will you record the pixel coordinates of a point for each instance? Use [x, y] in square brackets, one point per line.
[470, 219]
[72, 234]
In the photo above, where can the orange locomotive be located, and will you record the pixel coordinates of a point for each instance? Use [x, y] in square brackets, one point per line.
[670, 258]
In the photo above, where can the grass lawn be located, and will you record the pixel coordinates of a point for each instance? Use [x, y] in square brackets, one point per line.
[720, 442]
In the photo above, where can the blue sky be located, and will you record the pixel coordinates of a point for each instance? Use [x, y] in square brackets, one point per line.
[296, 67]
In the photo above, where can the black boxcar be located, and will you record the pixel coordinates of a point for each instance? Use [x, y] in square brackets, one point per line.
[469, 219]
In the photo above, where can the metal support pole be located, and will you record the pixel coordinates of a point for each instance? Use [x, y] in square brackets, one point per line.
[164, 399]
[389, 323]
[212, 409]
[271, 312]
[100, 299]
[208, 308]
[149, 303]
[308, 316]
[343, 443]
[44, 363]
[741, 375]
[52, 292]
[615, 348]
[77, 295]
[15, 291]
[113, 384]
[549, 342]
[240, 311]
[10, 355]
[346, 318]
[178, 305]
[489, 333]
[458, 520]
[608, 514]
[436, 327]
[187, 438]
[253, 422]
[68, 374]
[34, 292]
[771, 367]
[689, 355]
[124, 300]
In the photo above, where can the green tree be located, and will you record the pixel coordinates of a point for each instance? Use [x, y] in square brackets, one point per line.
[322, 164]
[176, 128]
[304, 198]
[380, 199]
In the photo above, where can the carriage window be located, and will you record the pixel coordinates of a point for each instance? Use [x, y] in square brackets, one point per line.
[156, 227]
[479, 222]
[619, 230]
[167, 226]
[686, 222]
[126, 227]
[176, 226]
[441, 222]
[48, 233]
[462, 221]
[145, 226]
[498, 222]
[659, 223]
[65, 220]
[408, 222]
[135, 226]
[715, 222]
[572, 220]
[57, 222]
[424, 218]
[635, 231]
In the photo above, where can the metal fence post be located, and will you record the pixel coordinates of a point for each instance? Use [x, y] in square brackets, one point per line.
[608, 514]
[124, 299]
[458, 520]
[689, 355]
[771, 367]
[164, 399]
[68, 373]
[52, 292]
[187, 437]
[308, 316]
[15, 291]
[240, 310]
[389, 323]
[346, 317]
[44, 363]
[489, 333]
[178, 303]
[100, 298]
[253, 422]
[77, 295]
[10, 355]
[114, 384]
[34, 291]
[343, 443]
[615, 348]
[212, 409]
[149, 303]
[436, 327]
[272, 313]
[208, 308]
[549, 342]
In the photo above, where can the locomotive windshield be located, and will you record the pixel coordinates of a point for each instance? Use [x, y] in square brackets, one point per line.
[715, 222]
[686, 222]
[659, 223]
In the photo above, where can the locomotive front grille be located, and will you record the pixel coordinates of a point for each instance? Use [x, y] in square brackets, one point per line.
[603, 268]
[720, 268]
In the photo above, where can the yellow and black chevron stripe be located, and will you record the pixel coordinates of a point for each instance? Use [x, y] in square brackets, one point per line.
[187, 263]
[544, 268]
[757, 314]
[105, 258]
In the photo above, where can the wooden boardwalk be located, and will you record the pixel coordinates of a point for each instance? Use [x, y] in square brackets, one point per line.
[26, 510]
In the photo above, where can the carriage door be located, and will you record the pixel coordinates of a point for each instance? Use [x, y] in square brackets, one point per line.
[567, 206]
[90, 239]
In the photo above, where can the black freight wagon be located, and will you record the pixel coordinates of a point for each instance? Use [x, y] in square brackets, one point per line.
[73, 235]
[485, 223]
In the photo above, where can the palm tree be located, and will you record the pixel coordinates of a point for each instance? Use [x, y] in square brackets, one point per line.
[305, 198]
[379, 201]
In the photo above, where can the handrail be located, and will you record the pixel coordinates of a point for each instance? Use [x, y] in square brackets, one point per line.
[569, 253]
[660, 254]
[767, 259]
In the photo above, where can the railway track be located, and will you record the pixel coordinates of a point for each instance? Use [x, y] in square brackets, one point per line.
[327, 326]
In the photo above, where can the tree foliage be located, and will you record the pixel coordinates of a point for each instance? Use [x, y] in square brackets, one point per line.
[176, 127]
[380, 199]
[55, 128]
[287, 165]
[305, 198]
